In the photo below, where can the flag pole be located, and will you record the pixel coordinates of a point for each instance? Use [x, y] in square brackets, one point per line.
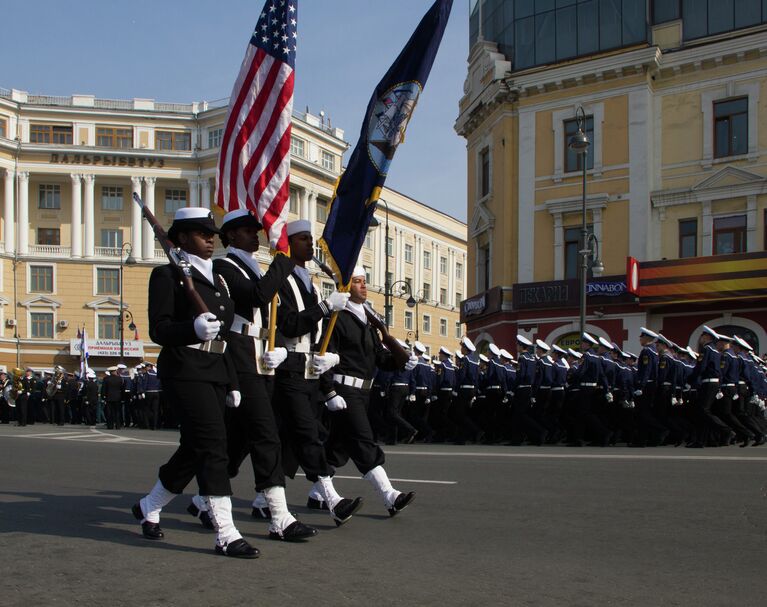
[272, 323]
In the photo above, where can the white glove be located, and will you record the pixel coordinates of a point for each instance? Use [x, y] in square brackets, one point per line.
[206, 326]
[324, 362]
[274, 358]
[532, 400]
[411, 362]
[411, 398]
[454, 393]
[735, 397]
[473, 398]
[337, 403]
[687, 386]
[143, 396]
[505, 400]
[337, 301]
[674, 401]
[719, 395]
[427, 401]
[233, 399]
[382, 393]
[609, 397]
[637, 393]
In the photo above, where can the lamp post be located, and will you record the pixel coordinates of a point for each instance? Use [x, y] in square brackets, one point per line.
[129, 261]
[579, 143]
[411, 301]
[374, 223]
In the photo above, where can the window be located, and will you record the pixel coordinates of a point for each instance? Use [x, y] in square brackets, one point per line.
[48, 133]
[113, 137]
[443, 327]
[459, 271]
[3, 128]
[319, 253]
[327, 289]
[426, 291]
[328, 160]
[572, 246]
[458, 329]
[730, 127]
[112, 239]
[173, 140]
[293, 205]
[483, 273]
[665, 10]
[704, 18]
[107, 281]
[40, 279]
[408, 320]
[50, 236]
[408, 253]
[458, 300]
[368, 240]
[427, 260]
[111, 198]
[426, 323]
[214, 137]
[50, 196]
[484, 172]
[389, 246]
[368, 275]
[109, 326]
[442, 265]
[409, 283]
[322, 210]
[174, 200]
[298, 147]
[41, 325]
[688, 238]
[443, 297]
[730, 235]
[572, 158]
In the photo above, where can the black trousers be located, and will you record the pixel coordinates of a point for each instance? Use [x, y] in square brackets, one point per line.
[708, 425]
[522, 423]
[59, 408]
[21, 409]
[438, 413]
[202, 449]
[152, 408]
[460, 414]
[648, 426]
[724, 410]
[295, 405]
[399, 427]
[351, 437]
[114, 414]
[252, 430]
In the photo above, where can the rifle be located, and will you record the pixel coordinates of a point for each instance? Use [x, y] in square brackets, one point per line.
[176, 258]
[399, 354]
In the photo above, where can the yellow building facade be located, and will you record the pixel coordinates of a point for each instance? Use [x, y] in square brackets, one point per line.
[676, 167]
[69, 168]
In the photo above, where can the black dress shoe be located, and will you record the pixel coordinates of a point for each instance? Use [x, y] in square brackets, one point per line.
[314, 504]
[238, 549]
[261, 513]
[151, 531]
[403, 501]
[295, 532]
[204, 516]
[344, 509]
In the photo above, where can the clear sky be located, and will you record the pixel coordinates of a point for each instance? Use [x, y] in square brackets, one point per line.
[191, 50]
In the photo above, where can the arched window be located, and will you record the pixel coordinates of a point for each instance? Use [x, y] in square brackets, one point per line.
[741, 332]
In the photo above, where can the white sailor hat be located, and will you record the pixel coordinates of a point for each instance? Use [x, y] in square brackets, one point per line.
[664, 340]
[140, 366]
[458, 354]
[239, 218]
[572, 352]
[744, 343]
[723, 337]
[426, 356]
[192, 218]
[419, 347]
[403, 344]
[468, 344]
[436, 361]
[692, 352]
[605, 344]
[112, 369]
[505, 354]
[539, 343]
[632, 355]
[297, 226]
[556, 348]
[521, 339]
[708, 330]
[484, 358]
[121, 366]
[494, 350]
[647, 333]
[445, 351]
[588, 338]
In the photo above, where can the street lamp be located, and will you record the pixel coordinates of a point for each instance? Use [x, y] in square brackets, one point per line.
[387, 287]
[129, 261]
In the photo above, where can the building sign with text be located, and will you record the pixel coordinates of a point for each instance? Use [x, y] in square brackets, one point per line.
[108, 347]
[481, 305]
[109, 160]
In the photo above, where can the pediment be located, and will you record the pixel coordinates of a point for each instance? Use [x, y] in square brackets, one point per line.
[104, 302]
[41, 301]
[728, 176]
[481, 220]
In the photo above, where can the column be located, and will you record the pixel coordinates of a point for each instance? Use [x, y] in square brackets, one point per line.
[194, 192]
[434, 272]
[596, 218]
[707, 227]
[751, 224]
[450, 278]
[303, 209]
[559, 244]
[312, 211]
[23, 213]
[147, 244]
[135, 237]
[205, 193]
[399, 248]
[379, 257]
[89, 240]
[77, 218]
[8, 213]
[417, 265]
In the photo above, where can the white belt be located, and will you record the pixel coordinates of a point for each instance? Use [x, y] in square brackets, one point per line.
[467, 386]
[299, 348]
[214, 346]
[728, 385]
[400, 384]
[710, 380]
[493, 388]
[544, 387]
[588, 385]
[243, 327]
[354, 382]
[421, 388]
[557, 389]
[443, 389]
[525, 386]
[666, 383]
[741, 383]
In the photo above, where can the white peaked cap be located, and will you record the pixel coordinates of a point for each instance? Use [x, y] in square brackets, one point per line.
[506, 355]
[468, 344]
[606, 344]
[420, 347]
[572, 352]
[539, 343]
[587, 337]
[494, 350]
[191, 213]
[484, 358]
[425, 356]
[648, 333]
[403, 344]
[711, 332]
[445, 351]
[458, 354]
[299, 225]
[121, 366]
[523, 340]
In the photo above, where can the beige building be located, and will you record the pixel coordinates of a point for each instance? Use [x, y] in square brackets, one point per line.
[676, 168]
[70, 166]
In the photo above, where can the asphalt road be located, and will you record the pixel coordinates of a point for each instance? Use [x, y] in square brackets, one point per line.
[490, 526]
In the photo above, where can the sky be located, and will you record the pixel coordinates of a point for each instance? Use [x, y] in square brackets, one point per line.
[190, 50]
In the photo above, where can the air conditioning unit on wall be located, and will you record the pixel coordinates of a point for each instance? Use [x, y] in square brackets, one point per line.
[11, 322]
[63, 324]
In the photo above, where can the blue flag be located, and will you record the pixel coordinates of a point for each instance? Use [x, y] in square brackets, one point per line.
[383, 129]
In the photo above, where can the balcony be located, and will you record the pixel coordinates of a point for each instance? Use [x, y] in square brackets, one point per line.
[49, 250]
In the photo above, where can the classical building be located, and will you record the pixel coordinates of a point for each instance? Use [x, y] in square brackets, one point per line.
[68, 225]
[676, 169]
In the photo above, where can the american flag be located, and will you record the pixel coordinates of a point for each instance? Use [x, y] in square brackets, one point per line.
[83, 352]
[254, 162]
